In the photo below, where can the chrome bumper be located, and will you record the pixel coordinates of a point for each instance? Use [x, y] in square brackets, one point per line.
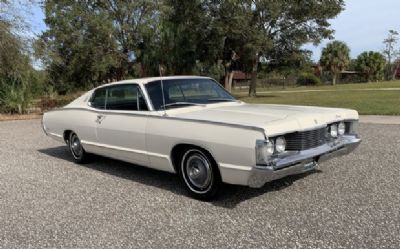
[302, 162]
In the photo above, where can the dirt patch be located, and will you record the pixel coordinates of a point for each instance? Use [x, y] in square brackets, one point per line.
[5, 117]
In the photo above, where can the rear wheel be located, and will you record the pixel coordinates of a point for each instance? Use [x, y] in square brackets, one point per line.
[78, 152]
[200, 173]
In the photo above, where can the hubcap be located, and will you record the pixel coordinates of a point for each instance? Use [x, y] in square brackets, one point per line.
[198, 171]
[76, 146]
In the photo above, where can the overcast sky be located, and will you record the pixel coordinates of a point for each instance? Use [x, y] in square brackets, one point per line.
[362, 25]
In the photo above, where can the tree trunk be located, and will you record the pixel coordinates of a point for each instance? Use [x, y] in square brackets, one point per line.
[253, 82]
[396, 68]
[230, 81]
[228, 77]
[334, 78]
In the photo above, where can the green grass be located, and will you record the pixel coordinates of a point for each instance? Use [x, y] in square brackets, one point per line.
[354, 96]
[355, 86]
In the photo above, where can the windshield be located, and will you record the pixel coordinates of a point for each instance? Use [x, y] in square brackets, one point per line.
[186, 92]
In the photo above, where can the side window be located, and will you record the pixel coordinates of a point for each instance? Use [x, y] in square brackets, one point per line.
[125, 98]
[99, 98]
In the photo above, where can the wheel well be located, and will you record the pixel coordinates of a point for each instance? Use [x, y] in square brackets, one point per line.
[66, 135]
[178, 151]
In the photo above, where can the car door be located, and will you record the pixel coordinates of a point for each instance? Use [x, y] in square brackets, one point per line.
[121, 126]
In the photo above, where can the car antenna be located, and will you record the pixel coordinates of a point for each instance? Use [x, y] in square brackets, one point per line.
[162, 88]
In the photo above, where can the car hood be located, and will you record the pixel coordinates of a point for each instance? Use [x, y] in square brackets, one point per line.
[274, 119]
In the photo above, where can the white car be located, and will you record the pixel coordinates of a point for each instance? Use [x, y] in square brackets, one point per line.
[191, 126]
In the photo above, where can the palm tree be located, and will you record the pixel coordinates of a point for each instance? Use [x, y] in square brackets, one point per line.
[371, 64]
[335, 58]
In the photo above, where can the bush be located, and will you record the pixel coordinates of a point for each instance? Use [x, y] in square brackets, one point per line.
[14, 99]
[50, 102]
[308, 79]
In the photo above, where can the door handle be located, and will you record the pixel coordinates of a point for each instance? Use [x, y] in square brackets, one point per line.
[100, 118]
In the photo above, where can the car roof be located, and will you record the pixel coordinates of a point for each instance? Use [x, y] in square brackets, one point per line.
[151, 79]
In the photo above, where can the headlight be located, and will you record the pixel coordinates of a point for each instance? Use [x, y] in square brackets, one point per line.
[341, 128]
[268, 149]
[280, 144]
[334, 130]
[264, 149]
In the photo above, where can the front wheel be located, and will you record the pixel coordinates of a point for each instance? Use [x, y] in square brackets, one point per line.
[200, 174]
[78, 152]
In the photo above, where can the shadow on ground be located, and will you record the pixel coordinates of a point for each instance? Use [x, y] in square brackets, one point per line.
[230, 195]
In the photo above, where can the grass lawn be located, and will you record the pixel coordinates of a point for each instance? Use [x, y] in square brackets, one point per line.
[363, 97]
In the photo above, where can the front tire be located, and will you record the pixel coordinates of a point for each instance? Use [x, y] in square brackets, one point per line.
[200, 174]
[78, 152]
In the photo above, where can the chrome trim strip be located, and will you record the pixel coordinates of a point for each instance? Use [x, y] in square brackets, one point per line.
[235, 167]
[156, 114]
[54, 134]
[56, 137]
[143, 152]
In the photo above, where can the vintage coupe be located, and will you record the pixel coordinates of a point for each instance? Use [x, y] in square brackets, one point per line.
[191, 126]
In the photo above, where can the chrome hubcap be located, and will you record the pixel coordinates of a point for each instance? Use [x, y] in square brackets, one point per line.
[76, 146]
[198, 171]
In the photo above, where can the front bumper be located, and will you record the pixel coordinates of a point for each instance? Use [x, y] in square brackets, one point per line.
[302, 162]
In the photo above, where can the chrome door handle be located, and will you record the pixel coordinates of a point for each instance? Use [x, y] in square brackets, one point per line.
[100, 118]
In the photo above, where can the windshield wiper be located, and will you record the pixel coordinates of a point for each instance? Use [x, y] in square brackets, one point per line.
[181, 103]
[222, 99]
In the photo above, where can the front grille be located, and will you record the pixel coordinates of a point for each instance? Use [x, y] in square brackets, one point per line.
[306, 139]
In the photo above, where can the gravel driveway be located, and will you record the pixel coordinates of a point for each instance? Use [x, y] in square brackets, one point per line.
[46, 201]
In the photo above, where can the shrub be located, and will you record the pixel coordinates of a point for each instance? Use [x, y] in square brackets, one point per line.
[50, 102]
[47, 103]
[308, 79]
[14, 99]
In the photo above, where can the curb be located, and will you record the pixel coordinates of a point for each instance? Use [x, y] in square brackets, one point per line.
[379, 119]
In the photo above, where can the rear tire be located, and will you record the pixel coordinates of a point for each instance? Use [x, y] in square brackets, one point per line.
[78, 152]
[199, 173]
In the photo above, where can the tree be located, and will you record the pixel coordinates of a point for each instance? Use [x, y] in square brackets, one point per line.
[335, 58]
[372, 64]
[391, 54]
[276, 30]
[92, 42]
[16, 72]
[96, 41]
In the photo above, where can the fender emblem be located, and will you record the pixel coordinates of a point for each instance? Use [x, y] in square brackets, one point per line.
[315, 121]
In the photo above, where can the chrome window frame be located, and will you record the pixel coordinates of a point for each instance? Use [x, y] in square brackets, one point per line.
[138, 86]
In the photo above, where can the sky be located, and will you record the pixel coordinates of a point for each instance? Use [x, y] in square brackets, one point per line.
[36, 19]
[363, 25]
